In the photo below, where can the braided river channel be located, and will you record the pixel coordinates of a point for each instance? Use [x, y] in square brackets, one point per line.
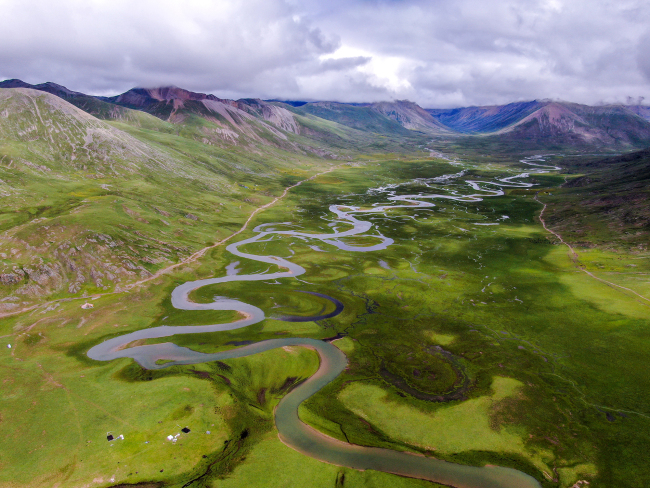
[292, 431]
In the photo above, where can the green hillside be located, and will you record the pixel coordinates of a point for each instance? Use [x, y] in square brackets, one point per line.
[605, 201]
[89, 206]
[358, 117]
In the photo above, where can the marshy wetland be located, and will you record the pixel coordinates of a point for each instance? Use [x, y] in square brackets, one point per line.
[442, 329]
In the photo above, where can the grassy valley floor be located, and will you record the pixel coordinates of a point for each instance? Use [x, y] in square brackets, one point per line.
[478, 344]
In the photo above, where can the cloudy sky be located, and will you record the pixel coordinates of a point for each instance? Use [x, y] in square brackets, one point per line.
[439, 53]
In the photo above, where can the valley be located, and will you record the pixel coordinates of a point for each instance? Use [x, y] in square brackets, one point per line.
[386, 300]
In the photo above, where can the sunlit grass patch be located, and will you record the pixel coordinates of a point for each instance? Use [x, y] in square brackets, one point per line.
[438, 338]
[450, 429]
[610, 299]
[71, 412]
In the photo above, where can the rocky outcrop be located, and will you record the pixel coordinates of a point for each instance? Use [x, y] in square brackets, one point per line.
[10, 278]
[574, 124]
[275, 114]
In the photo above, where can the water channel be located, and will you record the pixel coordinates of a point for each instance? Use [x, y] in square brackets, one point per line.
[292, 430]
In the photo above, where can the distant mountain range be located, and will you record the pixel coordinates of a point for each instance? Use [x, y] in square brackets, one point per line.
[535, 124]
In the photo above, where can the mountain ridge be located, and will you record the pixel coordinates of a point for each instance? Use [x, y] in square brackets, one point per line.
[537, 123]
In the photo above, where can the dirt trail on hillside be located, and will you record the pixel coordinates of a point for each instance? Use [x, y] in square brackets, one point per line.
[576, 260]
[201, 252]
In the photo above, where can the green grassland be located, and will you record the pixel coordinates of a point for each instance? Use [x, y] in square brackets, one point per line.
[535, 364]
[456, 428]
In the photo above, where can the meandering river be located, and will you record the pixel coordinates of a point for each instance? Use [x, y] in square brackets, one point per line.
[292, 430]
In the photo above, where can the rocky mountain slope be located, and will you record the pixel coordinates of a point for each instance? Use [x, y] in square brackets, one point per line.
[400, 117]
[249, 116]
[90, 104]
[47, 134]
[360, 117]
[176, 104]
[472, 120]
[640, 110]
[410, 115]
[206, 118]
[534, 125]
[573, 124]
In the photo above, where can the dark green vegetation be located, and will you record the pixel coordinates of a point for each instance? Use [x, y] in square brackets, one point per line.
[475, 344]
[515, 308]
[608, 205]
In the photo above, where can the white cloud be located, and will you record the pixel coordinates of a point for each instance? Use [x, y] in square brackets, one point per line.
[438, 53]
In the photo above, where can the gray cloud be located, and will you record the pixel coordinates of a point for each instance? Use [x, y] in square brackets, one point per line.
[438, 53]
[113, 45]
[643, 56]
[344, 63]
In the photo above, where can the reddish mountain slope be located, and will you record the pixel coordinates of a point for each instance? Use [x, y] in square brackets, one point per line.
[581, 125]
